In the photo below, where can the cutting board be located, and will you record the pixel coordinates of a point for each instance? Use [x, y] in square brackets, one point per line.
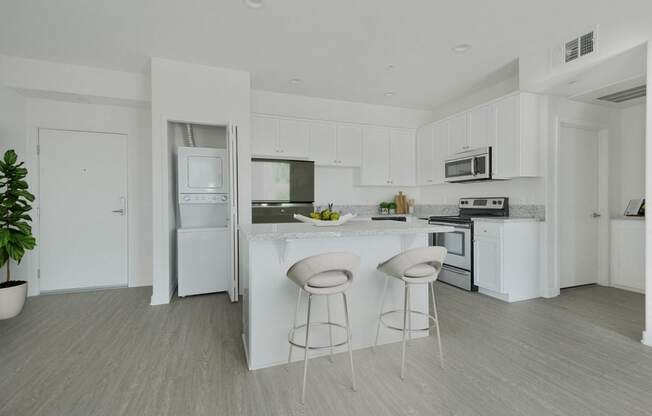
[401, 203]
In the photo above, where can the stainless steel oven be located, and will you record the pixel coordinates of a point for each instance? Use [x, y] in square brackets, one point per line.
[458, 268]
[471, 165]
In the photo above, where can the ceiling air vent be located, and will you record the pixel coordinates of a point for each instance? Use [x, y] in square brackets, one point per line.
[626, 95]
[580, 46]
[572, 50]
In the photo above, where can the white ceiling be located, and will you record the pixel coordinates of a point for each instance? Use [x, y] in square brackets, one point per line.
[339, 48]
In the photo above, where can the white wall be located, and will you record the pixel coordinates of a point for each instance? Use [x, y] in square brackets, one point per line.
[202, 95]
[647, 335]
[627, 160]
[340, 185]
[521, 191]
[12, 136]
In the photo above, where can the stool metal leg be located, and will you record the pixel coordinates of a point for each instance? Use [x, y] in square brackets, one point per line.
[382, 306]
[434, 307]
[294, 325]
[348, 335]
[330, 327]
[305, 356]
[405, 305]
[409, 311]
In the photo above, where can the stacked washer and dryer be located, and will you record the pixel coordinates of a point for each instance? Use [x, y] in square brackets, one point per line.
[204, 213]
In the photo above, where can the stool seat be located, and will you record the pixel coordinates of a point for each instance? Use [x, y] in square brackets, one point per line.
[328, 279]
[420, 270]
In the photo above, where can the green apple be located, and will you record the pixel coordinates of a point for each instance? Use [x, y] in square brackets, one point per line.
[315, 215]
[335, 216]
[326, 215]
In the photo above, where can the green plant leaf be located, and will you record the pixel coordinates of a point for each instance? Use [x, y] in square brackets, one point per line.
[10, 157]
[5, 235]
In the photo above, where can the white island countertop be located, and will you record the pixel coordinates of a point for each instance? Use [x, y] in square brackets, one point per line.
[295, 231]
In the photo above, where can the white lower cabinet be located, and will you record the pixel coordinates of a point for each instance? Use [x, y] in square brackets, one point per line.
[627, 248]
[506, 259]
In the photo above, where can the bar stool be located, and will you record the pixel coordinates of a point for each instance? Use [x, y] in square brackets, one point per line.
[322, 275]
[413, 267]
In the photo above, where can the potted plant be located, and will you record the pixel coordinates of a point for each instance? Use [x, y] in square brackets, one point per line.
[15, 231]
[384, 208]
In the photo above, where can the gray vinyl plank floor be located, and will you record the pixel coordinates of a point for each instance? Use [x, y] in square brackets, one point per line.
[110, 353]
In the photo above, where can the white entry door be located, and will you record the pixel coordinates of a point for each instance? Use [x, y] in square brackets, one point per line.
[578, 206]
[83, 210]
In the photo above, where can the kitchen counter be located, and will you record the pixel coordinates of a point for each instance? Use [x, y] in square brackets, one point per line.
[267, 251]
[505, 219]
[353, 228]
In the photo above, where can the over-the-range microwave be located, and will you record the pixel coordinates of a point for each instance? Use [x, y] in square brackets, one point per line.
[470, 165]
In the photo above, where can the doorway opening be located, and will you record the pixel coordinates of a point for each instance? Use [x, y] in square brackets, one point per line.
[202, 208]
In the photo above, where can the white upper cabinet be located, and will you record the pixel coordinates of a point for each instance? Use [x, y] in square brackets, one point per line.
[323, 146]
[458, 133]
[264, 137]
[293, 138]
[516, 152]
[349, 145]
[375, 156]
[440, 151]
[401, 160]
[425, 155]
[388, 157]
[480, 123]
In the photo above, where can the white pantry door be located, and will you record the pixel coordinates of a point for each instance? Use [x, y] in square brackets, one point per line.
[578, 192]
[83, 218]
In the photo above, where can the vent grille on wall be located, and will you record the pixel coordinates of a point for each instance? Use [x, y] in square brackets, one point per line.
[580, 46]
[626, 95]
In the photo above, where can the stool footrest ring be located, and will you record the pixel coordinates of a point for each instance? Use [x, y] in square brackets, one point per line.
[431, 321]
[317, 347]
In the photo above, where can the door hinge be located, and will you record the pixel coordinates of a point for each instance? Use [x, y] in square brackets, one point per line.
[38, 273]
[38, 149]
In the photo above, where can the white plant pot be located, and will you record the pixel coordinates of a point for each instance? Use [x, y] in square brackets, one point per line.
[12, 300]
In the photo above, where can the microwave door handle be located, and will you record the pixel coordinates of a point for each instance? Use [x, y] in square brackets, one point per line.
[473, 166]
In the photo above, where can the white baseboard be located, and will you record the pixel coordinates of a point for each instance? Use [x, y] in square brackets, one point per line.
[647, 338]
[550, 292]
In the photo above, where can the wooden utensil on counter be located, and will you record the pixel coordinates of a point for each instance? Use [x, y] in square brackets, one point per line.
[401, 203]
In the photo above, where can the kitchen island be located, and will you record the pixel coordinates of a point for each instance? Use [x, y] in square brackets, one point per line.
[267, 251]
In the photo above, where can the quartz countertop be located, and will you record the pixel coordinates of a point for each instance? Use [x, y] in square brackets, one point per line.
[505, 219]
[295, 231]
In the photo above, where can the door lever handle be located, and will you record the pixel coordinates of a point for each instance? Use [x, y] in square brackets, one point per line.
[119, 211]
[596, 215]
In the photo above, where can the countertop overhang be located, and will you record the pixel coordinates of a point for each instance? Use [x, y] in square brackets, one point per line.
[297, 231]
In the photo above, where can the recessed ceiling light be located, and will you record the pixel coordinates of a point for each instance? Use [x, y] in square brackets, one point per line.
[462, 47]
[389, 94]
[254, 4]
[390, 67]
[572, 81]
[296, 81]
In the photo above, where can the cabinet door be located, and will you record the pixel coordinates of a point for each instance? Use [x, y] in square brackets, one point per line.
[458, 133]
[322, 144]
[402, 154]
[506, 153]
[425, 155]
[294, 138]
[480, 127]
[349, 145]
[487, 264]
[440, 151]
[264, 136]
[375, 156]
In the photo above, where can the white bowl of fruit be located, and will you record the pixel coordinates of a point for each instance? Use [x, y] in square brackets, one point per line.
[325, 218]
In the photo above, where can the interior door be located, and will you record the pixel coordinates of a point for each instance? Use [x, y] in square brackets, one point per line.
[232, 151]
[578, 192]
[83, 210]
